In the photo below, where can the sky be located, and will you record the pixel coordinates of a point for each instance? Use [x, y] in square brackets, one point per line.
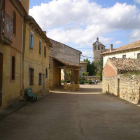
[77, 23]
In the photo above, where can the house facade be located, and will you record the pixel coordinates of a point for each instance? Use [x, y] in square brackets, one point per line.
[11, 44]
[121, 77]
[83, 67]
[63, 57]
[35, 58]
[131, 50]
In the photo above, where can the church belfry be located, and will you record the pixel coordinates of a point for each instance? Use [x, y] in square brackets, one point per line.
[98, 48]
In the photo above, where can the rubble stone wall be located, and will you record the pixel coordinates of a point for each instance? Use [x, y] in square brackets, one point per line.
[125, 86]
[129, 88]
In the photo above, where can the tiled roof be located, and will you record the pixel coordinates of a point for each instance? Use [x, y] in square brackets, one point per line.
[133, 45]
[126, 64]
[66, 62]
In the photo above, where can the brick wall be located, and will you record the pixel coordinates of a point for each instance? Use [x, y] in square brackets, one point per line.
[109, 70]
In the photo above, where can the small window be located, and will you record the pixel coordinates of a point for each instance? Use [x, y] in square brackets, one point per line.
[44, 51]
[39, 47]
[14, 22]
[31, 74]
[40, 79]
[138, 56]
[98, 47]
[102, 48]
[31, 41]
[95, 47]
[46, 72]
[13, 68]
[124, 56]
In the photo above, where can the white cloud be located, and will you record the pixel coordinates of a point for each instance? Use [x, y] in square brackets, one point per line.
[117, 42]
[79, 21]
[135, 35]
[137, 1]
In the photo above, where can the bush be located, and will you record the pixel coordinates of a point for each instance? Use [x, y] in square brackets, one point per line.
[68, 81]
[82, 78]
[89, 82]
[81, 82]
[62, 81]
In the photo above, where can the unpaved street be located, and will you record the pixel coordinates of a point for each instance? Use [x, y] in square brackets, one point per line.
[83, 115]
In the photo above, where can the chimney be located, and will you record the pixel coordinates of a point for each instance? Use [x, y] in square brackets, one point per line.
[25, 4]
[111, 47]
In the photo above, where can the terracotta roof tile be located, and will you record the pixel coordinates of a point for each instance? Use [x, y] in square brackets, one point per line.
[126, 64]
[133, 45]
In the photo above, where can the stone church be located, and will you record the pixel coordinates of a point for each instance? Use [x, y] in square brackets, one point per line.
[98, 48]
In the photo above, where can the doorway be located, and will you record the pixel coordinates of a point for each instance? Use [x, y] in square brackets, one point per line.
[43, 82]
[1, 74]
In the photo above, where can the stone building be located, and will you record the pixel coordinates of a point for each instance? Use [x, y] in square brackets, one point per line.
[83, 67]
[131, 50]
[63, 57]
[121, 77]
[35, 57]
[11, 44]
[98, 48]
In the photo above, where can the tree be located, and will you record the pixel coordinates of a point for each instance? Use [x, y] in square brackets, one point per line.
[91, 68]
[99, 65]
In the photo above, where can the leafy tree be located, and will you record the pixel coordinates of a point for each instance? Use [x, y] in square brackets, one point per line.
[99, 65]
[91, 68]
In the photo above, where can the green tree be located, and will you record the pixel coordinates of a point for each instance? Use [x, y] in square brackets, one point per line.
[99, 66]
[91, 67]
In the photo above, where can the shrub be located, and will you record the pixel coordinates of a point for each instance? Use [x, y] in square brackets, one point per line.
[82, 78]
[89, 82]
[81, 82]
[62, 81]
[68, 81]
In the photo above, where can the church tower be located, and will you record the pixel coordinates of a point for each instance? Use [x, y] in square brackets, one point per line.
[98, 48]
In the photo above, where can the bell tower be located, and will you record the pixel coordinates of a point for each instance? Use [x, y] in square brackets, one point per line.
[98, 48]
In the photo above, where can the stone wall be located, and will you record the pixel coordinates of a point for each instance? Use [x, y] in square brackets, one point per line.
[124, 86]
[109, 84]
[64, 52]
[129, 88]
[93, 78]
[71, 87]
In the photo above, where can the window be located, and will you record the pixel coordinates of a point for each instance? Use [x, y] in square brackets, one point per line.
[124, 56]
[95, 47]
[46, 72]
[102, 48]
[98, 47]
[138, 56]
[39, 47]
[44, 51]
[14, 22]
[31, 74]
[13, 68]
[40, 79]
[31, 41]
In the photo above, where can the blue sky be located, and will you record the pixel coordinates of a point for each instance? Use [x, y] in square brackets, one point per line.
[78, 22]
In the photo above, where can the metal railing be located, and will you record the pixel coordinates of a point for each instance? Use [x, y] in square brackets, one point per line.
[6, 25]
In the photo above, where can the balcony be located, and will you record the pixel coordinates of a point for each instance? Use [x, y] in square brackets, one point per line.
[6, 28]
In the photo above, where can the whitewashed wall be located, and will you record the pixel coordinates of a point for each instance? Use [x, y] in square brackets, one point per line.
[132, 54]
